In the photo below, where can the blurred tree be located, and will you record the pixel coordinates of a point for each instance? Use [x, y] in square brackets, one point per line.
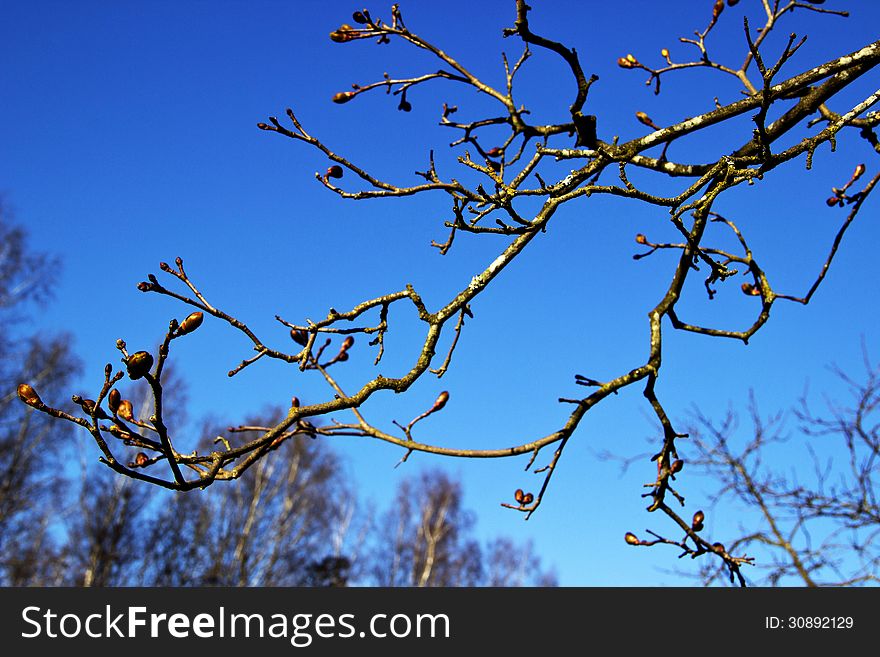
[819, 528]
[31, 445]
[425, 539]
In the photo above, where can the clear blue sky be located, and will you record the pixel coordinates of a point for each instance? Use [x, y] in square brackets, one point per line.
[128, 136]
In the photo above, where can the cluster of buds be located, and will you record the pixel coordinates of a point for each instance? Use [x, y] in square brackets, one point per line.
[840, 192]
[522, 498]
[628, 62]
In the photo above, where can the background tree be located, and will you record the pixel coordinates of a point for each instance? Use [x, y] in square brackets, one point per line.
[506, 183]
[814, 528]
[31, 448]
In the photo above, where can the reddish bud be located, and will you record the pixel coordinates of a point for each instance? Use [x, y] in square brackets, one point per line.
[347, 344]
[342, 356]
[718, 547]
[113, 400]
[143, 286]
[831, 201]
[697, 521]
[623, 62]
[441, 400]
[641, 239]
[718, 8]
[126, 412]
[495, 151]
[141, 459]
[518, 495]
[860, 169]
[334, 171]
[29, 396]
[343, 97]
[264, 126]
[528, 498]
[294, 402]
[138, 364]
[299, 336]
[750, 290]
[191, 323]
[676, 466]
[732, 3]
[646, 120]
[358, 17]
[631, 539]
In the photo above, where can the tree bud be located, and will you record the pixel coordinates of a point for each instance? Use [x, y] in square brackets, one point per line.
[334, 171]
[646, 120]
[126, 412]
[29, 396]
[191, 323]
[631, 539]
[404, 105]
[264, 126]
[732, 3]
[299, 336]
[750, 290]
[664, 53]
[342, 34]
[831, 201]
[718, 8]
[343, 97]
[623, 62]
[113, 400]
[697, 521]
[495, 151]
[441, 400]
[143, 286]
[294, 402]
[860, 169]
[718, 547]
[359, 17]
[528, 498]
[641, 239]
[141, 459]
[676, 466]
[518, 495]
[138, 364]
[347, 344]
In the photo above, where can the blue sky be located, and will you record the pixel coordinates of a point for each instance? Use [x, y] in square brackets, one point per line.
[129, 136]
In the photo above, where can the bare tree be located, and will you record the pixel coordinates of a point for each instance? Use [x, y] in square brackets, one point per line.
[426, 539]
[30, 447]
[819, 528]
[794, 113]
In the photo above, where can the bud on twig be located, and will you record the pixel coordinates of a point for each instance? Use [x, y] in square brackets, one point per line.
[191, 323]
[126, 412]
[29, 396]
[343, 97]
[299, 336]
[646, 120]
[528, 498]
[334, 171]
[750, 290]
[641, 239]
[676, 466]
[717, 9]
[697, 521]
[342, 34]
[113, 400]
[518, 495]
[631, 539]
[627, 62]
[441, 400]
[138, 364]
[141, 459]
[346, 344]
[358, 17]
[860, 169]
[495, 151]
[294, 402]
